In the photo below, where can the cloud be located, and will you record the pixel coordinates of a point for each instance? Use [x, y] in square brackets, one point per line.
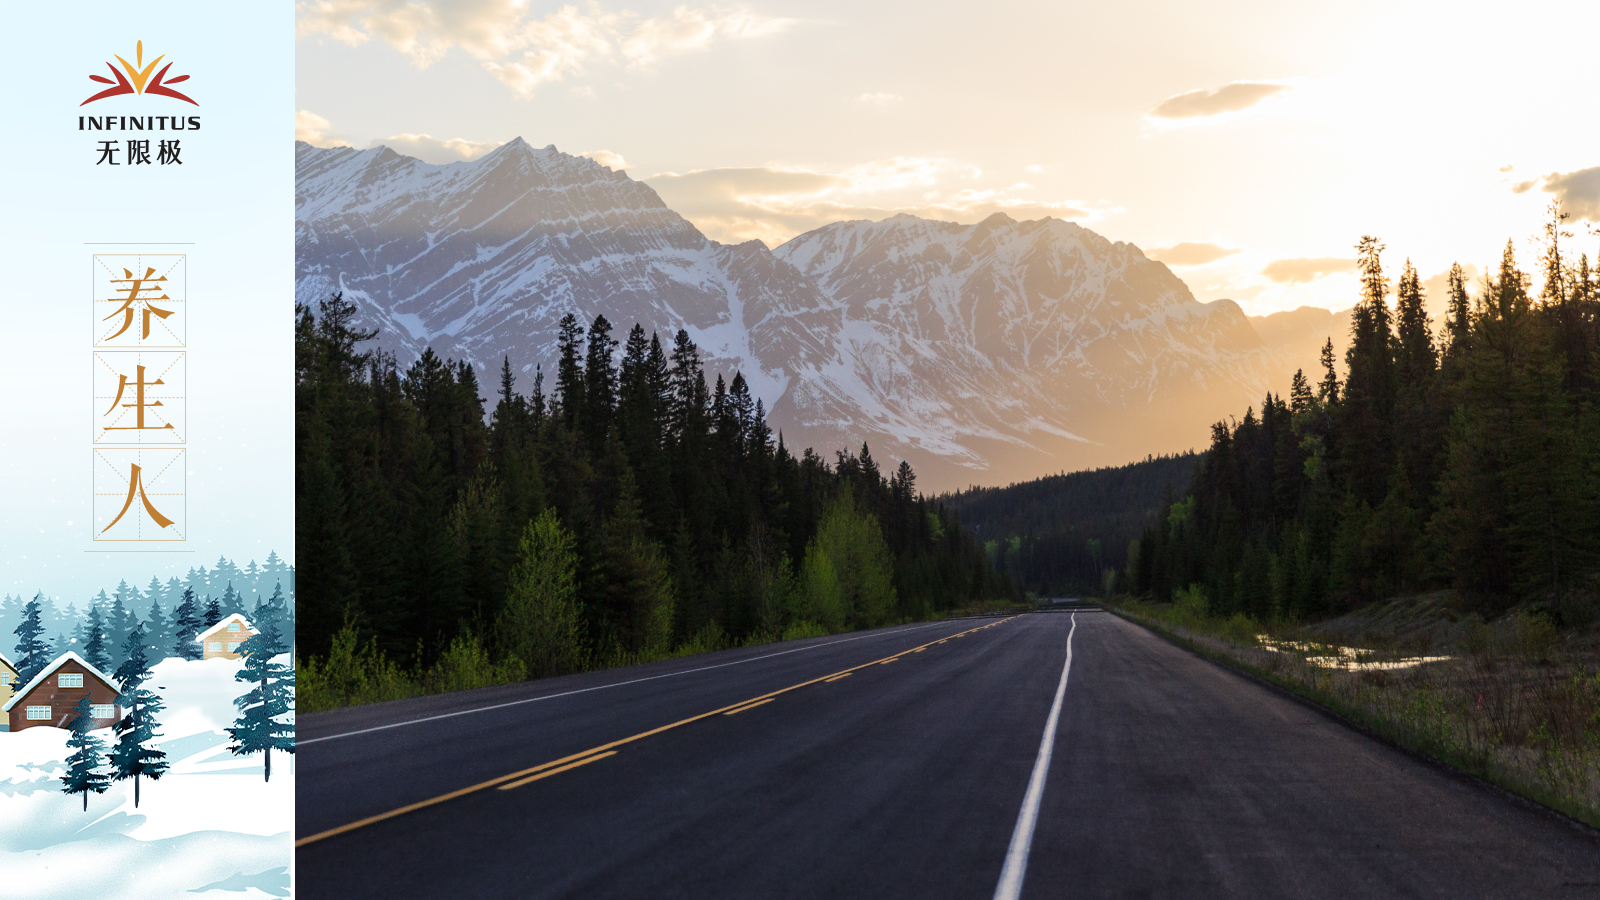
[606, 158]
[1298, 271]
[315, 130]
[520, 49]
[1228, 98]
[881, 98]
[1035, 168]
[775, 203]
[1505, 168]
[1578, 191]
[430, 149]
[1190, 253]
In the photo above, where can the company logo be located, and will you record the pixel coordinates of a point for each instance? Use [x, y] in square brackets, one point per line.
[138, 79]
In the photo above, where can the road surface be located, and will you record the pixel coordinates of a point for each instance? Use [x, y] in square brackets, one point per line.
[926, 771]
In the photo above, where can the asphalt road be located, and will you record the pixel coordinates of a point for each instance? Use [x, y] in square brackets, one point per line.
[1168, 777]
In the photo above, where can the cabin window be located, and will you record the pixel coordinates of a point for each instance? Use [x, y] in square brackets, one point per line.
[102, 711]
[232, 646]
[39, 712]
[233, 626]
[214, 646]
[5, 677]
[70, 679]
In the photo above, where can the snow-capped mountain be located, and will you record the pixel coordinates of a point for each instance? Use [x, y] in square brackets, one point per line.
[981, 353]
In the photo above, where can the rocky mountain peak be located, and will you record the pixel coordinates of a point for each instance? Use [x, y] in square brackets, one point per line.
[980, 352]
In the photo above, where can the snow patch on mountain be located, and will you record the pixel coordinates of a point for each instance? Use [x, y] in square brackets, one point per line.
[981, 352]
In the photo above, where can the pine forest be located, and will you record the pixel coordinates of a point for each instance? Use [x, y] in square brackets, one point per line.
[629, 511]
[1466, 459]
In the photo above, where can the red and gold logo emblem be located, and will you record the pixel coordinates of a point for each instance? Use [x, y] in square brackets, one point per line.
[136, 78]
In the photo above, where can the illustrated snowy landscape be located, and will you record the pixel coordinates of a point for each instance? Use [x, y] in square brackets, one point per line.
[210, 824]
[137, 740]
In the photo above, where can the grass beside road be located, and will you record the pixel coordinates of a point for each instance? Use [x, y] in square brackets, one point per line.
[354, 674]
[1511, 701]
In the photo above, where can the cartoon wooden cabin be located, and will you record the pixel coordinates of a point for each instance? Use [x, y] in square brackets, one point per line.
[52, 696]
[222, 640]
[9, 679]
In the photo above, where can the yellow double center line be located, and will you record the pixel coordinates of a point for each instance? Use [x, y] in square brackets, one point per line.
[572, 761]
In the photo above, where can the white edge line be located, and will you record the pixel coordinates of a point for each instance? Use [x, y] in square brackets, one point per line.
[1016, 867]
[329, 737]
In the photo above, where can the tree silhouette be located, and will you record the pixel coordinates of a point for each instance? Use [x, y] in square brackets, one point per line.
[258, 727]
[132, 756]
[83, 765]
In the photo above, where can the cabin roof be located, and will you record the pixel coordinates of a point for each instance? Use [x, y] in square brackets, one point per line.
[223, 624]
[49, 670]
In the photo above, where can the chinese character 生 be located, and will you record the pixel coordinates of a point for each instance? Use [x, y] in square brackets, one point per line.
[139, 404]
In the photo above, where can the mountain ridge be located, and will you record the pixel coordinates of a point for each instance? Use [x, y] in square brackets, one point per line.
[1001, 349]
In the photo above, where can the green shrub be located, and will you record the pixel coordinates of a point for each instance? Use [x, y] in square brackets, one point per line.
[466, 664]
[352, 674]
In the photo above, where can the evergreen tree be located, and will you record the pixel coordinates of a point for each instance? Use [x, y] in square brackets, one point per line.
[213, 613]
[158, 634]
[1367, 409]
[542, 620]
[119, 622]
[1300, 397]
[274, 611]
[1458, 323]
[33, 654]
[599, 384]
[259, 727]
[132, 756]
[186, 623]
[1418, 424]
[569, 371]
[1328, 388]
[638, 586]
[95, 648]
[83, 764]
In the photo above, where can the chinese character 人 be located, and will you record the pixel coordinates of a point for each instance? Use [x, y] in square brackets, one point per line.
[136, 486]
[139, 495]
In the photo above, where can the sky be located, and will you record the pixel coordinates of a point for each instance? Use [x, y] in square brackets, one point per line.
[1248, 145]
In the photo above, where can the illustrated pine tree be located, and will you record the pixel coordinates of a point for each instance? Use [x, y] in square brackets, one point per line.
[84, 773]
[133, 756]
[32, 652]
[95, 648]
[273, 610]
[119, 623]
[156, 636]
[213, 612]
[259, 727]
[186, 623]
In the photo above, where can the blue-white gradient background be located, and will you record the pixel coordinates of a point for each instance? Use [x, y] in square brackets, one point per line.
[232, 198]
